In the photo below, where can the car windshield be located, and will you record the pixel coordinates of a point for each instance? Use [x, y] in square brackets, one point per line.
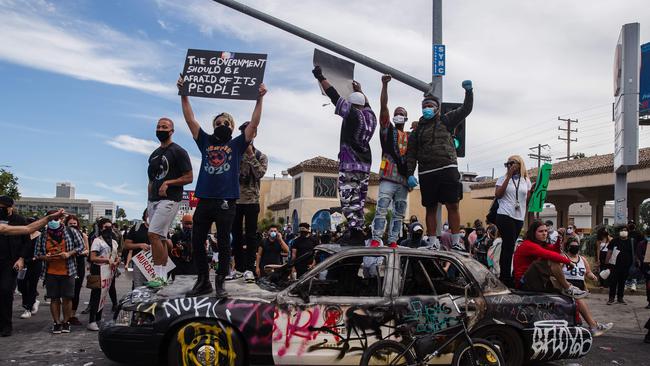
[485, 279]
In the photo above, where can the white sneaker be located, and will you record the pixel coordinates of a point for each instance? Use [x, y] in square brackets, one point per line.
[249, 277]
[633, 287]
[35, 307]
[433, 242]
[575, 292]
[93, 326]
[601, 329]
[26, 314]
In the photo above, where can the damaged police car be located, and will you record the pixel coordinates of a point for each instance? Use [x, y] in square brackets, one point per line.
[353, 297]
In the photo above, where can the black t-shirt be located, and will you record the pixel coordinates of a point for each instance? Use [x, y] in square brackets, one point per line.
[304, 245]
[624, 258]
[271, 253]
[13, 247]
[167, 163]
[138, 236]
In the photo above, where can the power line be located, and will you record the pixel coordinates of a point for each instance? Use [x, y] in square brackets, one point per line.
[568, 138]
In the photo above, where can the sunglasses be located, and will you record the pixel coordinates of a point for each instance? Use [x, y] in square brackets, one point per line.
[510, 163]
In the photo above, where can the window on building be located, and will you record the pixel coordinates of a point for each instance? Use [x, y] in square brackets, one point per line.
[325, 187]
[297, 188]
[606, 221]
[108, 213]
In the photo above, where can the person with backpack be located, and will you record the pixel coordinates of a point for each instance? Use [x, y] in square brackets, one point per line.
[512, 192]
[253, 166]
[431, 149]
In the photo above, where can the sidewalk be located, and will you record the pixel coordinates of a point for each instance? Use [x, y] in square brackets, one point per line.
[628, 319]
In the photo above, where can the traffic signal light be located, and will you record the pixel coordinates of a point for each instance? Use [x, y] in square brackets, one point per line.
[459, 133]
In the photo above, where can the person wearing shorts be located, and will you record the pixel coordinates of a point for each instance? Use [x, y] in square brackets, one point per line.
[431, 149]
[58, 248]
[169, 170]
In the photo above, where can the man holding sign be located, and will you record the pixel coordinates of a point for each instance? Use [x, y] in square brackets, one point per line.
[217, 186]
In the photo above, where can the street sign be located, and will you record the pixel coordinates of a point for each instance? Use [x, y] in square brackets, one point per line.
[439, 59]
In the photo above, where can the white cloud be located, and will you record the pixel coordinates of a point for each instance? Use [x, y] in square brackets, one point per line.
[35, 35]
[528, 66]
[119, 189]
[133, 144]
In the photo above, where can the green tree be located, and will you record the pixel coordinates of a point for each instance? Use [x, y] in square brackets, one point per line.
[9, 184]
[120, 217]
[266, 222]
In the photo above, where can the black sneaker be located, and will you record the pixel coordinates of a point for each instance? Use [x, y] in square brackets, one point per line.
[621, 301]
[56, 328]
[65, 327]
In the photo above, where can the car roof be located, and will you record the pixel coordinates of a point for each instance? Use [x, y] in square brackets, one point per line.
[337, 248]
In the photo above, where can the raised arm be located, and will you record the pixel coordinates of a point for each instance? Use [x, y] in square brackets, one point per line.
[188, 113]
[251, 129]
[384, 113]
[28, 229]
[327, 87]
[456, 116]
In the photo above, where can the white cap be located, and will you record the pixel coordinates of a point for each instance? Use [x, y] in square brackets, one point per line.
[357, 98]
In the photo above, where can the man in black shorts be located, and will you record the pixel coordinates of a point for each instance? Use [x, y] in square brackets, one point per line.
[431, 148]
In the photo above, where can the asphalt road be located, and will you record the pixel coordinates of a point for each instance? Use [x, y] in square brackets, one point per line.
[33, 344]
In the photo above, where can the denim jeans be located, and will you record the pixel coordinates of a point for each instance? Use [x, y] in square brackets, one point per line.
[396, 194]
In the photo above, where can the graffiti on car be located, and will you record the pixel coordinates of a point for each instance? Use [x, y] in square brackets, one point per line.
[553, 338]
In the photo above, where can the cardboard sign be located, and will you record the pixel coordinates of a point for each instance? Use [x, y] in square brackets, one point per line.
[221, 74]
[144, 261]
[538, 197]
[106, 275]
[339, 72]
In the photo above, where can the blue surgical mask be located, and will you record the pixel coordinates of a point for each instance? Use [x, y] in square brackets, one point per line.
[428, 113]
[54, 224]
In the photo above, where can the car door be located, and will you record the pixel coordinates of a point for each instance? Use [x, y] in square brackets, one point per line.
[328, 317]
[428, 285]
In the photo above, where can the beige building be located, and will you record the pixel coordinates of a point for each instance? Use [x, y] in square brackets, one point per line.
[313, 188]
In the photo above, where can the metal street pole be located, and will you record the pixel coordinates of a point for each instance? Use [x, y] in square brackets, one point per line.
[436, 80]
[332, 46]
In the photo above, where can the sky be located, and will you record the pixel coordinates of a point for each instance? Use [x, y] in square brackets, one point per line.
[86, 81]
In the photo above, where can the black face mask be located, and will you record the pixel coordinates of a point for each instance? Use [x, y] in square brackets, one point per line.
[107, 233]
[162, 135]
[222, 134]
[4, 214]
[574, 249]
[417, 236]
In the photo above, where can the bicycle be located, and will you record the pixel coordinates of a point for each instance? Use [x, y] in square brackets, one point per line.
[419, 350]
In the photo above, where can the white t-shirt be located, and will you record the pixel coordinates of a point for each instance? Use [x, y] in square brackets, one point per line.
[103, 249]
[508, 203]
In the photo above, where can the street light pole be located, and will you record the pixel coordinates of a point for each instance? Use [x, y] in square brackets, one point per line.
[332, 46]
[436, 80]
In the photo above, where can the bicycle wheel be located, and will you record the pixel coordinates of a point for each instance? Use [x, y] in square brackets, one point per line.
[387, 352]
[485, 354]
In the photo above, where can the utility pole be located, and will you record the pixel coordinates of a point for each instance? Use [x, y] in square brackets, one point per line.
[568, 139]
[539, 157]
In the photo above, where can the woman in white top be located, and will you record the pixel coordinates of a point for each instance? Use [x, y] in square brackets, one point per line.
[602, 241]
[512, 192]
[103, 251]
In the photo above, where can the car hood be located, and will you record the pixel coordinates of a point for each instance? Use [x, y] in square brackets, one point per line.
[238, 289]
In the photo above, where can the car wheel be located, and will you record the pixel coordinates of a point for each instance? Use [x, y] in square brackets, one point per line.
[508, 340]
[205, 342]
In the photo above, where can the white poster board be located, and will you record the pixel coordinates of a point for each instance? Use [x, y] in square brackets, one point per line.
[107, 279]
[144, 261]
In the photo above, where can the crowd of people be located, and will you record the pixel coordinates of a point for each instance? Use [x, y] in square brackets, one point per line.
[228, 188]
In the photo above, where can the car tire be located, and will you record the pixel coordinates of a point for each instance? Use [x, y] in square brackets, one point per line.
[508, 340]
[206, 342]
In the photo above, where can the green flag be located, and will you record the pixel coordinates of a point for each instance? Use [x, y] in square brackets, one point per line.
[538, 197]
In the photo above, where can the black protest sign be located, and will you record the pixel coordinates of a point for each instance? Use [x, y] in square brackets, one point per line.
[221, 74]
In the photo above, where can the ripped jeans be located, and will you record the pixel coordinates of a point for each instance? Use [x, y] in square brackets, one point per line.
[397, 195]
